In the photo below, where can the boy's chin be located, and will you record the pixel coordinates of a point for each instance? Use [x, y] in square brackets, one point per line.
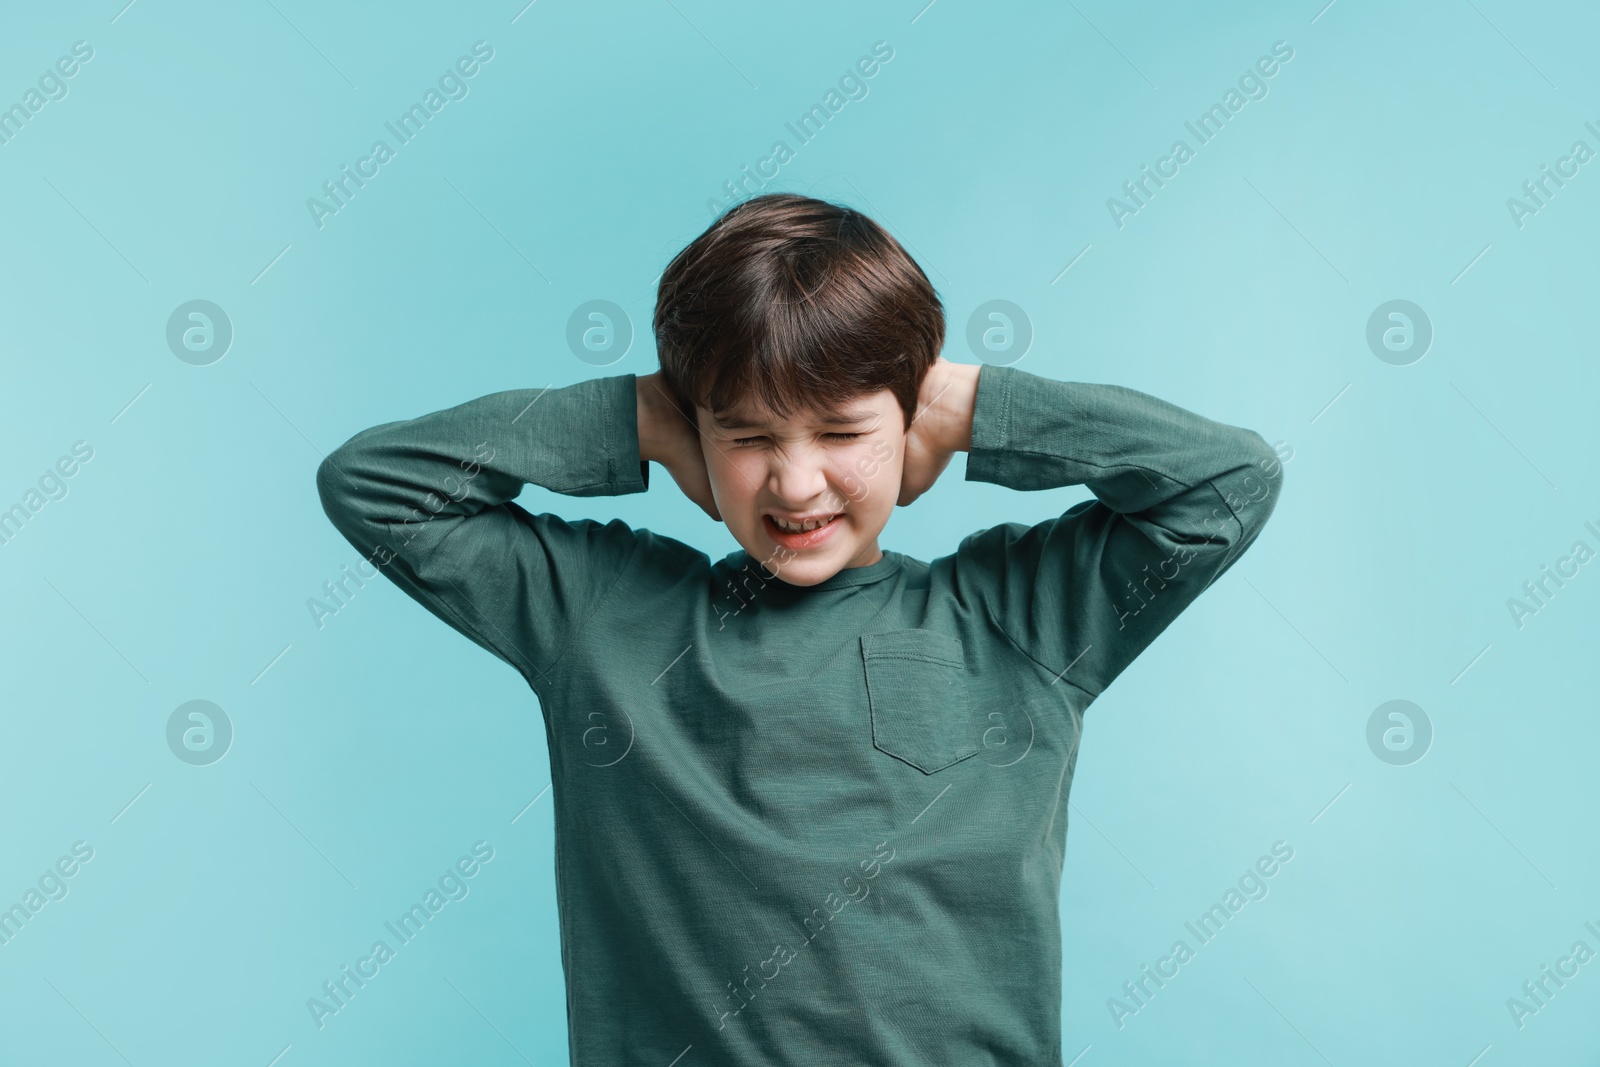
[805, 573]
[801, 568]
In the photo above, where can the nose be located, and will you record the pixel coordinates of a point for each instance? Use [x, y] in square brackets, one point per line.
[798, 476]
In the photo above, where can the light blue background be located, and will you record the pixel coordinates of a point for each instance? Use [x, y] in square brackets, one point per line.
[372, 752]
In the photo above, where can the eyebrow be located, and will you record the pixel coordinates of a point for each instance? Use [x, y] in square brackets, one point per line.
[827, 418]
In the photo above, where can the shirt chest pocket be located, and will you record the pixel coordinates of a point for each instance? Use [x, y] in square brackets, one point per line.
[917, 698]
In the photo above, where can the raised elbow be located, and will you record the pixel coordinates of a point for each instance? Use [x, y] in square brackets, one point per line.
[335, 486]
[1252, 491]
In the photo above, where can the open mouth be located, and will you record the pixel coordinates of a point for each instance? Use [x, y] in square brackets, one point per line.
[804, 534]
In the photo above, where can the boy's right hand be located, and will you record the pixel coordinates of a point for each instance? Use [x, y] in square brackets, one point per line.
[670, 439]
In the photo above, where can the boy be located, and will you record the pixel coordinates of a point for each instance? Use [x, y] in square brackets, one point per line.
[810, 799]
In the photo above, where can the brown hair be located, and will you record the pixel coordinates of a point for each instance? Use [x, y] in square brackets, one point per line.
[798, 303]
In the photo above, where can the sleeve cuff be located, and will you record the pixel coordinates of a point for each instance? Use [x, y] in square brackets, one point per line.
[991, 423]
[625, 471]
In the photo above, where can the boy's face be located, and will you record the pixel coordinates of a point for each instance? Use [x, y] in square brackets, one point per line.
[843, 464]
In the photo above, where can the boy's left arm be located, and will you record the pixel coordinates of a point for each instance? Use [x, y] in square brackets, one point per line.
[1178, 498]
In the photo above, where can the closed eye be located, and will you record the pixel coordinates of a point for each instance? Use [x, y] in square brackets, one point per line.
[831, 436]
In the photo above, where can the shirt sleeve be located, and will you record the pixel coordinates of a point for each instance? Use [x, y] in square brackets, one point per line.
[1177, 499]
[430, 502]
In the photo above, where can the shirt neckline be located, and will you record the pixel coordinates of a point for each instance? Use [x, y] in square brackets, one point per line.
[873, 572]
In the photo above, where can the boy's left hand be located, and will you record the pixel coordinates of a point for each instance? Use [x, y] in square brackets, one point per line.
[941, 427]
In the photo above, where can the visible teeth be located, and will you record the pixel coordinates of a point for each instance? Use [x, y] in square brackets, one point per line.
[803, 527]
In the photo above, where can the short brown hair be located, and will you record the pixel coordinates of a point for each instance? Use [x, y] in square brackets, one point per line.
[799, 303]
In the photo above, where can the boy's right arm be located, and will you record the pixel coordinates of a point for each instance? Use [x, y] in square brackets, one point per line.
[430, 501]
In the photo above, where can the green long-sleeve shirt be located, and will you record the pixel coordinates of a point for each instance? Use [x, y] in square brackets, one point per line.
[817, 825]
